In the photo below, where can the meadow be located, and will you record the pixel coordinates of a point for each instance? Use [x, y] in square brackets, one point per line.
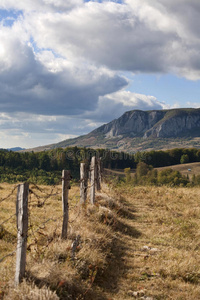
[136, 242]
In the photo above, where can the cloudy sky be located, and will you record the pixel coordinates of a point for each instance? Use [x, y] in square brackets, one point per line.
[68, 66]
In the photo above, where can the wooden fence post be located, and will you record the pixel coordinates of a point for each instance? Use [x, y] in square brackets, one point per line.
[22, 230]
[83, 183]
[92, 179]
[66, 176]
[101, 169]
[98, 174]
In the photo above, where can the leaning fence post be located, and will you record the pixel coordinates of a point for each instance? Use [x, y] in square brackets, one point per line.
[83, 182]
[22, 230]
[92, 179]
[66, 176]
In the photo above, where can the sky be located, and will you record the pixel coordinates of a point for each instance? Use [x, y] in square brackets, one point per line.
[67, 67]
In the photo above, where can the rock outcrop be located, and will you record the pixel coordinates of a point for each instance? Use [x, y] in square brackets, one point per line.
[138, 130]
[154, 124]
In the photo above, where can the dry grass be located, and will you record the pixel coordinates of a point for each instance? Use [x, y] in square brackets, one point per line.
[135, 242]
[51, 265]
[165, 259]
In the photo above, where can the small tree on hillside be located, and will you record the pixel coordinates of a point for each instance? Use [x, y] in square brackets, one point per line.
[127, 172]
[142, 169]
[184, 159]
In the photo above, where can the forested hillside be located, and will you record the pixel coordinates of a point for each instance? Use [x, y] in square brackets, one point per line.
[45, 167]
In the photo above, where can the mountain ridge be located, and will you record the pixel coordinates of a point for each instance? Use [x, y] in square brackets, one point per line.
[137, 130]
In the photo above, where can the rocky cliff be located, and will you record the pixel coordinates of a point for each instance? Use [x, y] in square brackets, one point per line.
[142, 130]
[154, 124]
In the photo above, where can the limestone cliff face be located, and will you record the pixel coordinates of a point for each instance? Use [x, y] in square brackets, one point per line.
[154, 124]
[138, 130]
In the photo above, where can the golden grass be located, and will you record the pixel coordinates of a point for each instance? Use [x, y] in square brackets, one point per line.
[165, 259]
[51, 266]
[135, 242]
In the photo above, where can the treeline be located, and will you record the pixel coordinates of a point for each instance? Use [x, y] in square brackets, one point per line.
[45, 167]
[169, 157]
[147, 175]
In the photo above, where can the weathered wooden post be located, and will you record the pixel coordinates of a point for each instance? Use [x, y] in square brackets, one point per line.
[101, 169]
[22, 230]
[66, 176]
[92, 179]
[98, 174]
[83, 182]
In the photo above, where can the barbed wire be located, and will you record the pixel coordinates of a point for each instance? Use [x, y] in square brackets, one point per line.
[5, 221]
[32, 232]
[7, 255]
[41, 190]
[28, 235]
[39, 197]
[11, 193]
[75, 217]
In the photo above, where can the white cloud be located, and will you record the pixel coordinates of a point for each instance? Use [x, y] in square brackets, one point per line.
[193, 104]
[139, 36]
[145, 36]
[45, 84]
[61, 59]
[40, 5]
[114, 105]
[36, 130]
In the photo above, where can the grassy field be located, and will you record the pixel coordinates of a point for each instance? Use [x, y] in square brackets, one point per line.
[136, 242]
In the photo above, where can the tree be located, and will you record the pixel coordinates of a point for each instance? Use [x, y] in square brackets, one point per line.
[127, 172]
[184, 159]
[142, 169]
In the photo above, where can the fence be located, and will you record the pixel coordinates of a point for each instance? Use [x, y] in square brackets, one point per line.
[91, 173]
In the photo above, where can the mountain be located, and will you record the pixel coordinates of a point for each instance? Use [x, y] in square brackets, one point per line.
[154, 124]
[16, 149]
[143, 130]
[13, 149]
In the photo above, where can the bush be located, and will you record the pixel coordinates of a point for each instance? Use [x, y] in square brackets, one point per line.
[172, 178]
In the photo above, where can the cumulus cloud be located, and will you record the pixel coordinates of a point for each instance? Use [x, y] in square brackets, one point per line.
[193, 104]
[64, 59]
[40, 5]
[44, 84]
[140, 36]
[117, 103]
[29, 130]
[36, 130]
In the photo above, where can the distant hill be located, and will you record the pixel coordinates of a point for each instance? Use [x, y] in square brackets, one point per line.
[13, 149]
[142, 130]
[16, 149]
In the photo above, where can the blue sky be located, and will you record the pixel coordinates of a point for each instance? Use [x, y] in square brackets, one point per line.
[9, 16]
[66, 67]
[170, 89]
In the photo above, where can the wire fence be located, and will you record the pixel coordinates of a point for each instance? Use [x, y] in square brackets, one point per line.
[46, 205]
[36, 200]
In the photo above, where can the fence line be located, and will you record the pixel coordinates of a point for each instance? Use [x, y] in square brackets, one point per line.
[24, 206]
